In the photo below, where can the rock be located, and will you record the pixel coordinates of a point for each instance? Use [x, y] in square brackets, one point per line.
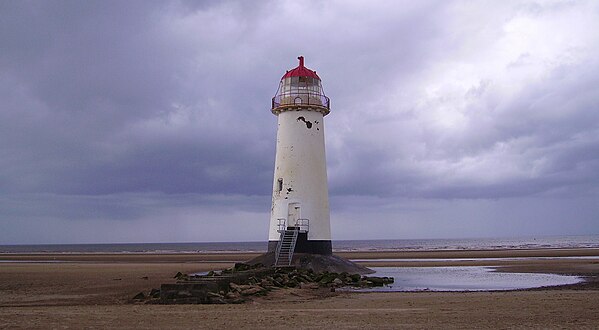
[217, 300]
[252, 291]
[328, 278]
[239, 300]
[378, 281]
[155, 293]
[337, 282]
[239, 287]
[180, 276]
[232, 295]
[240, 266]
[213, 294]
[139, 296]
[304, 278]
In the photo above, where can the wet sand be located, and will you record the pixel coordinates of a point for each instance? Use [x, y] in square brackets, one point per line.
[94, 290]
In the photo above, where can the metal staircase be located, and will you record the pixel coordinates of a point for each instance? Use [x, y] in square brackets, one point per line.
[288, 239]
[286, 246]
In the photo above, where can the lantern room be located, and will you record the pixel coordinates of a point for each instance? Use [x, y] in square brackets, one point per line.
[300, 88]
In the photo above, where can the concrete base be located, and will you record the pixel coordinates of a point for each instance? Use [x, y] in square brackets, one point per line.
[317, 262]
[303, 245]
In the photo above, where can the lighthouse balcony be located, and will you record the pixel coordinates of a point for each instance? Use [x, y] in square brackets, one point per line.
[299, 100]
[301, 225]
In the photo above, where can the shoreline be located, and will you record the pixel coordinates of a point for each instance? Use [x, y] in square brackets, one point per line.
[536, 251]
[554, 261]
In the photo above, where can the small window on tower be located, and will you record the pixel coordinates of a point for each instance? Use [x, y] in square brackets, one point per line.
[280, 184]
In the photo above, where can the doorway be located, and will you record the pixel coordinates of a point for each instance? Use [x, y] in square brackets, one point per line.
[293, 214]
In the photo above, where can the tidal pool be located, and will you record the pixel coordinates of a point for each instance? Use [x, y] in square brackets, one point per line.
[464, 278]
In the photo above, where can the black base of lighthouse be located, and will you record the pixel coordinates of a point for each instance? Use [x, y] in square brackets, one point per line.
[304, 245]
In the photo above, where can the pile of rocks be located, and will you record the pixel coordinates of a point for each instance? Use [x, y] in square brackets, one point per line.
[237, 284]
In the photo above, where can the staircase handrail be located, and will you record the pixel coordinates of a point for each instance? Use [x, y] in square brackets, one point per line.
[303, 224]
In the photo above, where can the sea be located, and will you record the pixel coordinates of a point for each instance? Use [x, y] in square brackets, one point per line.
[541, 242]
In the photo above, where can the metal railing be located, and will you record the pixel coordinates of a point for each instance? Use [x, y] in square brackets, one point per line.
[300, 99]
[281, 224]
[302, 224]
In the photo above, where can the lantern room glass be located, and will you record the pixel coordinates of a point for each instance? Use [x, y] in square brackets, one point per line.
[300, 91]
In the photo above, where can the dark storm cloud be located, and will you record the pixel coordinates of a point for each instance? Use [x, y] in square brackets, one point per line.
[85, 83]
[154, 111]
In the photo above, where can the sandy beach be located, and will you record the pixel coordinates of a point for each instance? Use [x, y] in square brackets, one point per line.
[95, 290]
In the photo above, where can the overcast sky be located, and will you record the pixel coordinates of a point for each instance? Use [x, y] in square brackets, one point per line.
[141, 121]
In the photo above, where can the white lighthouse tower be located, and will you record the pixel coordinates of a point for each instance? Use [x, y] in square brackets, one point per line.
[300, 220]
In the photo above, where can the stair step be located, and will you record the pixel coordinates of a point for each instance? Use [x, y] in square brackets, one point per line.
[286, 246]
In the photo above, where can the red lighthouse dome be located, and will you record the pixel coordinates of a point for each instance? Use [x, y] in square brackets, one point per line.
[301, 71]
[300, 88]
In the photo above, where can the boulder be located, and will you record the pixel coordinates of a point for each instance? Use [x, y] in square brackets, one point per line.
[252, 291]
[140, 296]
[239, 287]
[155, 293]
[233, 295]
[213, 295]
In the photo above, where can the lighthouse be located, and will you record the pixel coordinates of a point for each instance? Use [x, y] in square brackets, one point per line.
[300, 220]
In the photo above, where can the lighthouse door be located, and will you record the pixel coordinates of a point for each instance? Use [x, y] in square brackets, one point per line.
[293, 214]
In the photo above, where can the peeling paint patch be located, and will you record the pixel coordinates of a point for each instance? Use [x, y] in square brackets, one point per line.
[308, 123]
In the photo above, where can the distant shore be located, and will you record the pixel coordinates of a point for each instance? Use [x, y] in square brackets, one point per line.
[378, 258]
[41, 290]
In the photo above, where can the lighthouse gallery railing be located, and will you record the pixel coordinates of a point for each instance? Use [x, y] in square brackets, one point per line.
[301, 99]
